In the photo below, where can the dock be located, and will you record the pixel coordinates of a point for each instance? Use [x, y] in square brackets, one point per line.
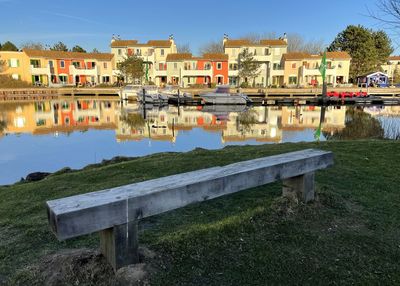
[260, 97]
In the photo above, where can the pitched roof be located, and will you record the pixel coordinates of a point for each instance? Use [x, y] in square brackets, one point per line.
[159, 43]
[273, 42]
[179, 57]
[236, 43]
[150, 43]
[293, 56]
[394, 58]
[248, 43]
[215, 57]
[67, 55]
[338, 55]
[123, 43]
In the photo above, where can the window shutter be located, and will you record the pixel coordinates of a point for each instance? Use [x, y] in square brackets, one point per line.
[18, 63]
[9, 63]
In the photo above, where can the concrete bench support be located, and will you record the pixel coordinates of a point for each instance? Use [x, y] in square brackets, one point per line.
[301, 188]
[115, 212]
[119, 244]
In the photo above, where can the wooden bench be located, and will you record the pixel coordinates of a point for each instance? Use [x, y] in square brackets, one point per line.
[115, 212]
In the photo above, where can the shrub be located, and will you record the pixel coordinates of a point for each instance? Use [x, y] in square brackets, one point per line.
[244, 85]
[7, 81]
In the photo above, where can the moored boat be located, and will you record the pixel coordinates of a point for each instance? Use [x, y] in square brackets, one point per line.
[151, 96]
[222, 95]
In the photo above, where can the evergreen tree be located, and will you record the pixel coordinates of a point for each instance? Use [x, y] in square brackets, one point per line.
[60, 46]
[368, 49]
[8, 46]
[131, 68]
[78, 49]
[248, 66]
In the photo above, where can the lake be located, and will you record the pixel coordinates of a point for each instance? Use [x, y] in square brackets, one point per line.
[50, 135]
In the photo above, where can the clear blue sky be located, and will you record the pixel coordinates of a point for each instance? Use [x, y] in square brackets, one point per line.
[90, 24]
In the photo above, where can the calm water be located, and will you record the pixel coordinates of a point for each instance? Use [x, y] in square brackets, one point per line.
[50, 135]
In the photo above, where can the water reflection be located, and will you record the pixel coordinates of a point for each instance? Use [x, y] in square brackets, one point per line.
[236, 123]
[75, 133]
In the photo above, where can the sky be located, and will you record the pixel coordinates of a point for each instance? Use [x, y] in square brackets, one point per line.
[91, 23]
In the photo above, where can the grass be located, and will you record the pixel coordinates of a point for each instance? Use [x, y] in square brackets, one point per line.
[349, 235]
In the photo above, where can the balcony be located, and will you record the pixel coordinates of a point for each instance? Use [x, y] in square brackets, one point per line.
[315, 71]
[197, 72]
[277, 72]
[160, 72]
[233, 72]
[83, 71]
[263, 58]
[37, 70]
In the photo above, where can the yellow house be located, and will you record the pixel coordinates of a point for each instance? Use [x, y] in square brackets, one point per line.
[16, 65]
[267, 52]
[391, 68]
[154, 52]
[302, 69]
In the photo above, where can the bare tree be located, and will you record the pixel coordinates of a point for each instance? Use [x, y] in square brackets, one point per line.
[213, 47]
[32, 46]
[297, 43]
[184, 48]
[256, 37]
[387, 12]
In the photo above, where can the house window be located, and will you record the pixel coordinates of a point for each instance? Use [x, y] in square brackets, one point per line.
[292, 79]
[175, 66]
[162, 52]
[106, 79]
[51, 64]
[138, 52]
[340, 65]
[266, 52]
[105, 65]
[189, 79]
[119, 52]
[35, 63]
[293, 65]
[63, 79]
[14, 63]
[62, 64]
[15, 76]
[219, 66]
[207, 66]
[255, 52]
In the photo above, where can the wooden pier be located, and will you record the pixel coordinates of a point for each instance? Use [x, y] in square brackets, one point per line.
[263, 97]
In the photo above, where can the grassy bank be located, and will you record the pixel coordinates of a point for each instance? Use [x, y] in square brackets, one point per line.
[349, 235]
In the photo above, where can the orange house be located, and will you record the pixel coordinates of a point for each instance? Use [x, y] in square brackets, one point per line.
[218, 63]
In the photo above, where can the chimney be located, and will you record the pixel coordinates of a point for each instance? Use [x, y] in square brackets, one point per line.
[285, 37]
[226, 37]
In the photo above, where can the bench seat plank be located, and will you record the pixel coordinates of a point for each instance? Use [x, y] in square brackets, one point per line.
[87, 213]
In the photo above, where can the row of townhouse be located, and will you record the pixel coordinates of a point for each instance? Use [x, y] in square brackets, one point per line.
[57, 68]
[277, 67]
[164, 65]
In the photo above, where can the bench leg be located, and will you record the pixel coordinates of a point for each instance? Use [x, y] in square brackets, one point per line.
[119, 244]
[300, 187]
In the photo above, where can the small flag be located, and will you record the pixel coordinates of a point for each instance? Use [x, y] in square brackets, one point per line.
[317, 133]
[322, 68]
[147, 71]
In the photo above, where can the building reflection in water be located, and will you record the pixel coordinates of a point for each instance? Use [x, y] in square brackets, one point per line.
[131, 122]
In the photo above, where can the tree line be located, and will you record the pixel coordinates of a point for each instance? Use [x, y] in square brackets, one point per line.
[59, 46]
